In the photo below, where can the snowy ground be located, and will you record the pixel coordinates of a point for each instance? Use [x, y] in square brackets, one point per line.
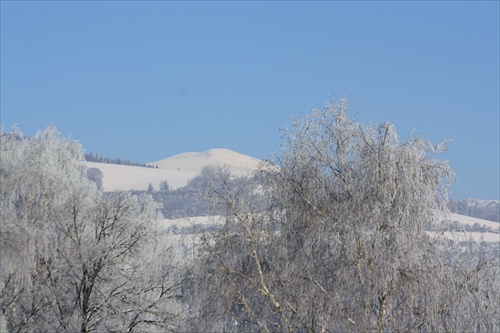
[126, 178]
[456, 236]
[462, 219]
[475, 236]
[176, 170]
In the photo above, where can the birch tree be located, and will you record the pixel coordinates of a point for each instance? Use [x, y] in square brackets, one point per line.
[342, 245]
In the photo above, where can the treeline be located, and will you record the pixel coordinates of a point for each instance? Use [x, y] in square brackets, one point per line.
[90, 157]
[476, 227]
[487, 210]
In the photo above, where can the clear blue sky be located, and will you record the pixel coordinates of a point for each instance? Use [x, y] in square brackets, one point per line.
[147, 80]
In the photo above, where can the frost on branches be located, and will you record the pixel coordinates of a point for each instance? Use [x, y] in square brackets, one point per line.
[72, 258]
[341, 245]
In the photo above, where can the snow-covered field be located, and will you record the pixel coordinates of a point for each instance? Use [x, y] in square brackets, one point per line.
[126, 178]
[455, 236]
[462, 219]
[176, 170]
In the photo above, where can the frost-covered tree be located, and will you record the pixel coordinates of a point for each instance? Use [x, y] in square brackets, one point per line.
[342, 244]
[164, 186]
[95, 175]
[72, 258]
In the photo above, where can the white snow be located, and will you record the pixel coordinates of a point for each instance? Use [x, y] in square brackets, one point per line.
[125, 178]
[463, 219]
[475, 236]
[177, 170]
[190, 221]
[237, 163]
[455, 236]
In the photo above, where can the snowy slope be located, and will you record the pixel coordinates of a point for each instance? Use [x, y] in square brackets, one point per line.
[483, 209]
[476, 236]
[456, 236]
[237, 163]
[176, 170]
[463, 219]
[125, 178]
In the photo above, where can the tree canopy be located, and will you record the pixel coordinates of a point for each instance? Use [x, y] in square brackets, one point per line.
[343, 243]
[73, 258]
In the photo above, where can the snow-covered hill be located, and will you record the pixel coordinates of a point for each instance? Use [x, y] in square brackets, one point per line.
[464, 220]
[237, 163]
[118, 177]
[177, 170]
[468, 220]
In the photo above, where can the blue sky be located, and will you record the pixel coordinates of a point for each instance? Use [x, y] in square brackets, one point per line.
[147, 80]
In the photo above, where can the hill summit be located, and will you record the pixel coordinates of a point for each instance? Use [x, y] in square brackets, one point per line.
[237, 163]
